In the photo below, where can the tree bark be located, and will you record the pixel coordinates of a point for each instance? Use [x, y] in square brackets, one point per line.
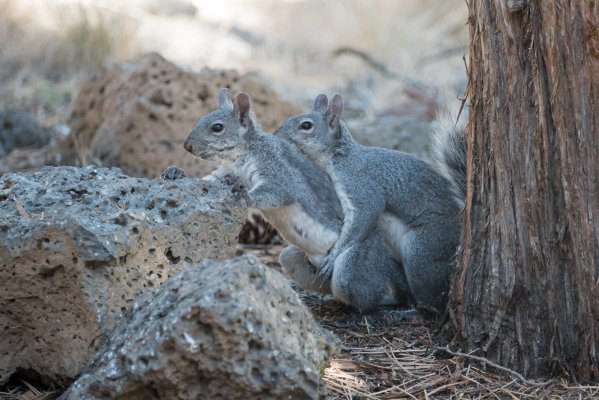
[526, 291]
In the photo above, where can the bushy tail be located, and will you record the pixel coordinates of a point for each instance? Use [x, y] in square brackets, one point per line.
[448, 151]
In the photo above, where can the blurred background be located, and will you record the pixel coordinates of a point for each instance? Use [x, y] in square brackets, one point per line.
[78, 87]
[378, 53]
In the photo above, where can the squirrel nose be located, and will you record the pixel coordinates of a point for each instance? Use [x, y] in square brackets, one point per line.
[187, 146]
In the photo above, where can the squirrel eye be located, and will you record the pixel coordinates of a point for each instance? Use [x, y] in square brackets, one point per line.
[218, 127]
[306, 125]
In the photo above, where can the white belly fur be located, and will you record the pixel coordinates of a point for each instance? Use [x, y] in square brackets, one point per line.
[298, 228]
[294, 225]
[393, 230]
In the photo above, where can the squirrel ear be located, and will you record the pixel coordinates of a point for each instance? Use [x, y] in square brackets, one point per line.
[320, 104]
[224, 99]
[334, 112]
[242, 104]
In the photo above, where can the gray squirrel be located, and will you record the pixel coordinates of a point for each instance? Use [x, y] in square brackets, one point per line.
[298, 199]
[416, 208]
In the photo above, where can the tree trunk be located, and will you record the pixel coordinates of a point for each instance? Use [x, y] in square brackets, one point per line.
[526, 292]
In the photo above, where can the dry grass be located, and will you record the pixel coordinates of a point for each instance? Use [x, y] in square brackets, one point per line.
[49, 48]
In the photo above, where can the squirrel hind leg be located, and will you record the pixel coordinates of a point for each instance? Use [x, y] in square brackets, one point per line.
[427, 263]
[366, 283]
[296, 263]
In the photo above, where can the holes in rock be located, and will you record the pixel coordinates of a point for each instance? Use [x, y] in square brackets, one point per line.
[171, 258]
[153, 117]
[43, 244]
[135, 230]
[49, 272]
[98, 263]
[172, 203]
[163, 213]
[256, 376]
[144, 361]
[152, 251]
[254, 345]
[77, 194]
[121, 219]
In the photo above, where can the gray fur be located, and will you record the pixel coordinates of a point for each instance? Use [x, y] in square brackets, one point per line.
[448, 151]
[411, 203]
[298, 199]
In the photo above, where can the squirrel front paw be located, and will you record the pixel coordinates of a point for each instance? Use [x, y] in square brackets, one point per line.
[237, 187]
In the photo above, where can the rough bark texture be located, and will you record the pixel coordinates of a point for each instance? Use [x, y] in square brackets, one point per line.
[527, 292]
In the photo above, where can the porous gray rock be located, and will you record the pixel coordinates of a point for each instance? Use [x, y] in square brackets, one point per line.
[229, 330]
[78, 244]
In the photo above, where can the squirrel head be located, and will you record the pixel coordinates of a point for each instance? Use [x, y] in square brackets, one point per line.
[318, 132]
[220, 134]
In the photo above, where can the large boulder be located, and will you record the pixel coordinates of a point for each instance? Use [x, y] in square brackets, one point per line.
[230, 330]
[136, 116]
[78, 244]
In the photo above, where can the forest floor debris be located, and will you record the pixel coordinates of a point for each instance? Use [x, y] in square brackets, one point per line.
[383, 362]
